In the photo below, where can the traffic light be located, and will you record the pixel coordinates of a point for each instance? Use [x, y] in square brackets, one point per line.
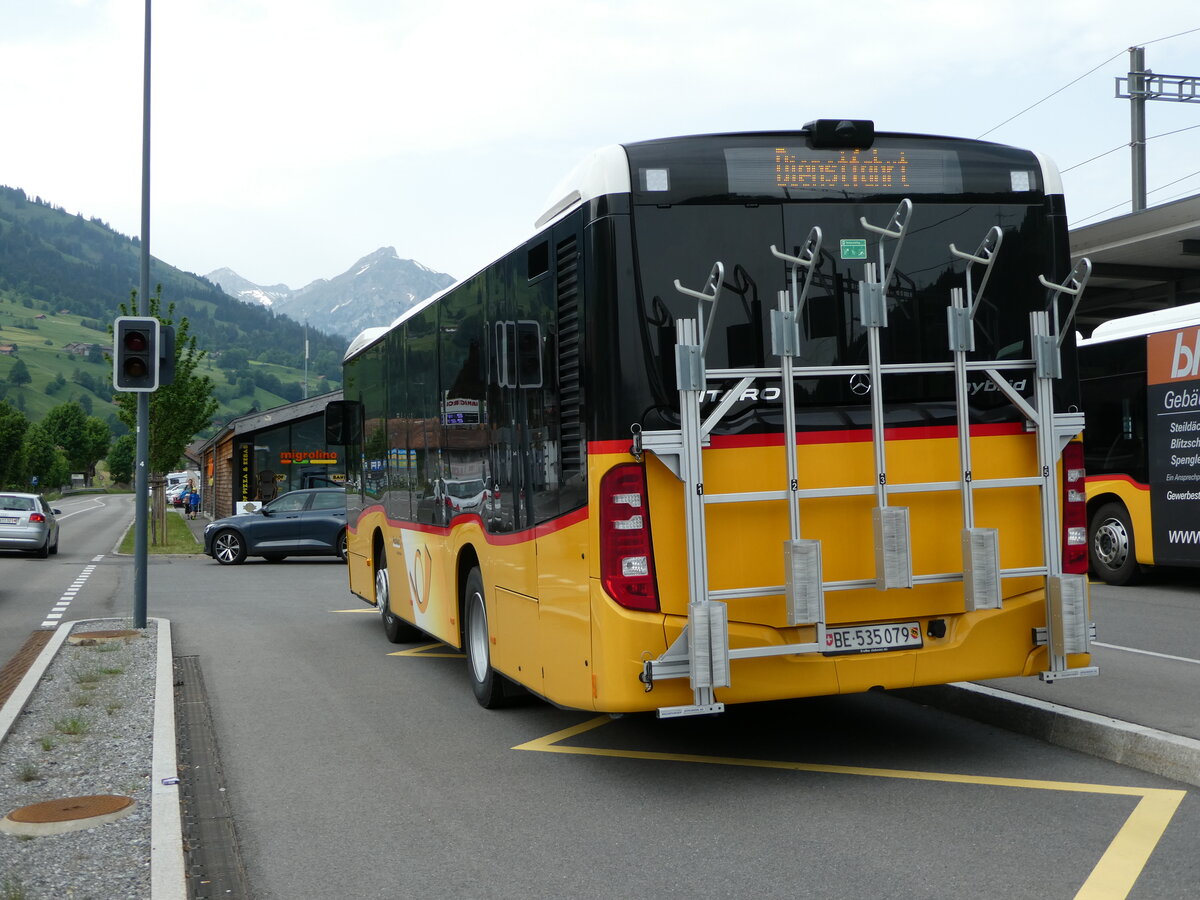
[135, 353]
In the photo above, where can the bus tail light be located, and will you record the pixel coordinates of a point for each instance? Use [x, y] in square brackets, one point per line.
[1074, 510]
[626, 554]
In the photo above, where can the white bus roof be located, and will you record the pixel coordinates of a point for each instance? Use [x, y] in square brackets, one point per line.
[604, 171]
[365, 337]
[1144, 323]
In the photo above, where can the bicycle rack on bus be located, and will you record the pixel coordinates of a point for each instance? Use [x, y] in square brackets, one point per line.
[701, 653]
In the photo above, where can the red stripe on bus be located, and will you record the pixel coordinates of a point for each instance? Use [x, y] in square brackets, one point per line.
[840, 436]
[1097, 479]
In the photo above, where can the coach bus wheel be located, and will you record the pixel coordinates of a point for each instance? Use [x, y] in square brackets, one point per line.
[394, 628]
[487, 684]
[1111, 545]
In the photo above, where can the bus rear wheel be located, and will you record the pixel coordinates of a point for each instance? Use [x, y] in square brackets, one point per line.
[1111, 545]
[486, 682]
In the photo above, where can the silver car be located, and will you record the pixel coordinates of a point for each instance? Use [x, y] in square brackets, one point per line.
[27, 523]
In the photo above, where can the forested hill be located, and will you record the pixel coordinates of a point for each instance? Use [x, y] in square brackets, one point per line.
[82, 267]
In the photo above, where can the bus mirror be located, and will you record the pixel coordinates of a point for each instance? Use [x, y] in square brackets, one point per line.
[342, 422]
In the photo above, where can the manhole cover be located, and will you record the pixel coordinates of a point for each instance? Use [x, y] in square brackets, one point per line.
[67, 814]
[84, 638]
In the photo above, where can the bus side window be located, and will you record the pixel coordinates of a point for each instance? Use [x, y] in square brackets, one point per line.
[506, 354]
[529, 354]
[519, 354]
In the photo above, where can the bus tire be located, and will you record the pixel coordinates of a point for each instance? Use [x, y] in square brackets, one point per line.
[395, 629]
[1110, 545]
[486, 683]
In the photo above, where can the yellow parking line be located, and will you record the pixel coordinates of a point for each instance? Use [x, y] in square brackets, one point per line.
[424, 650]
[1111, 878]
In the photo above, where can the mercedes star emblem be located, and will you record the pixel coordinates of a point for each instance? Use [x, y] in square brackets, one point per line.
[860, 384]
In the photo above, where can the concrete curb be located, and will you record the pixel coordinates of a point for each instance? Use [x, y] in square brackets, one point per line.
[1135, 746]
[25, 687]
[167, 874]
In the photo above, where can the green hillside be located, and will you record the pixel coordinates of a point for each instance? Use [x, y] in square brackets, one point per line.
[64, 356]
[62, 281]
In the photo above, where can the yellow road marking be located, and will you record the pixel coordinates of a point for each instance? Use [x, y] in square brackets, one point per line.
[424, 650]
[1112, 877]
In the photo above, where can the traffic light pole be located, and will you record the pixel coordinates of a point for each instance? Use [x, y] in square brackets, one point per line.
[141, 482]
[141, 492]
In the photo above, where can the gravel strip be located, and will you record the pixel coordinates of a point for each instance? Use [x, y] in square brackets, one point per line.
[110, 689]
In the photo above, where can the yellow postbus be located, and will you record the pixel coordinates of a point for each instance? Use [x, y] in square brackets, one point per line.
[1140, 382]
[750, 416]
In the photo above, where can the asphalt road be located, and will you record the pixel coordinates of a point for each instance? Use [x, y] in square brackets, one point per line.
[73, 581]
[1148, 652]
[353, 772]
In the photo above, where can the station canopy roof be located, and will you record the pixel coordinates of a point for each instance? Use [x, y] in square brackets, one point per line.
[1143, 261]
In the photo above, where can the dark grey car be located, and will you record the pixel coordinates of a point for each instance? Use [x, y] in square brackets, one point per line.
[300, 523]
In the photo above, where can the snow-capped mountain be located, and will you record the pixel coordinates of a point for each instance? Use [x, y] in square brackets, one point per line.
[374, 291]
[236, 286]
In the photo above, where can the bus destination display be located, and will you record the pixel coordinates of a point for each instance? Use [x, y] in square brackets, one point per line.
[788, 171]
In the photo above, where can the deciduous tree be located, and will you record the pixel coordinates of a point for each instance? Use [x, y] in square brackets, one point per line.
[121, 459]
[19, 374]
[44, 460]
[13, 426]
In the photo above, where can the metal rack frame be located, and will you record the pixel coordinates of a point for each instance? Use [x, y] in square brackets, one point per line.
[701, 653]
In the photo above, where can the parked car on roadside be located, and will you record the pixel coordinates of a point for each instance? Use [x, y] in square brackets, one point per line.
[300, 523]
[27, 522]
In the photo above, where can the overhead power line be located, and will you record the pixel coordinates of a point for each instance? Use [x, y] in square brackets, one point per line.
[1048, 96]
[1123, 146]
[1162, 187]
[1083, 76]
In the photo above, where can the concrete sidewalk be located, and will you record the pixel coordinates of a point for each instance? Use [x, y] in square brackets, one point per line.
[196, 525]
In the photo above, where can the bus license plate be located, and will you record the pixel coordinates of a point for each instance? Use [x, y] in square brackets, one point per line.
[872, 638]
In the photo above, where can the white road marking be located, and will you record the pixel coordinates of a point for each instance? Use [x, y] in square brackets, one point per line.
[1147, 653]
[60, 608]
[98, 504]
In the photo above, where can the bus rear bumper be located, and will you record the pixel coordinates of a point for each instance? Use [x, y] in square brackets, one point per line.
[975, 646]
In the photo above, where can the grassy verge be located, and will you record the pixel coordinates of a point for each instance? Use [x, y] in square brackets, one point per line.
[179, 538]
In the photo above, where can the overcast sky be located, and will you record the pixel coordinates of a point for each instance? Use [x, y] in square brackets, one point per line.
[292, 137]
